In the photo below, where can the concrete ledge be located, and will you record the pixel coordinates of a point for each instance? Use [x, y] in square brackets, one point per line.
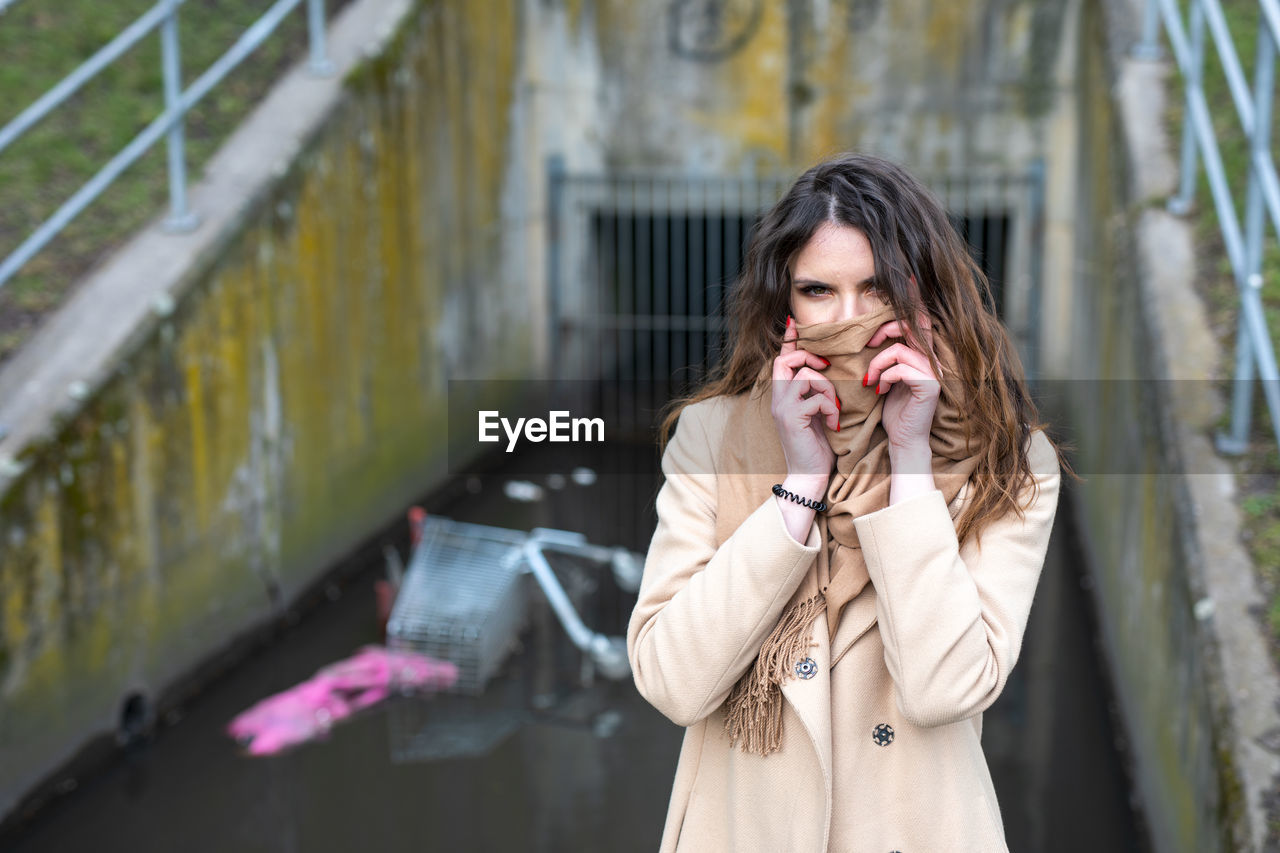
[118, 306]
[1223, 583]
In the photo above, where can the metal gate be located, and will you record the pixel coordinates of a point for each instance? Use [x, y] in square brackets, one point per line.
[641, 266]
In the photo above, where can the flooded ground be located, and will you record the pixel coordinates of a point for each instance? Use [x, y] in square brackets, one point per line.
[552, 757]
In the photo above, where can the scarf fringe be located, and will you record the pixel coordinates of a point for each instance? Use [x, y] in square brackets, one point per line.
[753, 709]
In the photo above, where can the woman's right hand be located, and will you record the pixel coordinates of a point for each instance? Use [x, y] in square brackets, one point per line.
[800, 419]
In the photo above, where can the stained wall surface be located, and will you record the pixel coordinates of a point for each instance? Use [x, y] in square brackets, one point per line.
[295, 399]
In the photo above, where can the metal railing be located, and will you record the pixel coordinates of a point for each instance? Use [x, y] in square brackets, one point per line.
[164, 17]
[1244, 242]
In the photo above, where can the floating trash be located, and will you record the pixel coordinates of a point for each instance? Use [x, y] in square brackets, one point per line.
[464, 598]
[522, 490]
[1203, 609]
[606, 723]
[308, 710]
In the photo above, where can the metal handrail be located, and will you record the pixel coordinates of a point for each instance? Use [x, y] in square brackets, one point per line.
[1244, 243]
[164, 16]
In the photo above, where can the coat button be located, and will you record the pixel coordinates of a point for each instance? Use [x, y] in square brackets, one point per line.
[807, 668]
[882, 734]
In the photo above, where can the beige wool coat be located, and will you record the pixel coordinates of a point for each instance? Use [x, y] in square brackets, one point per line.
[880, 752]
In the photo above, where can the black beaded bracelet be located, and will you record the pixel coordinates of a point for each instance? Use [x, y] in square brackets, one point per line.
[816, 506]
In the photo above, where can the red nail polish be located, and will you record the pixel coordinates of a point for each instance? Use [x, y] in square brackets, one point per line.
[788, 321]
[837, 426]
[825, 363]
[865, 377]
[877, 387]
[838, 406]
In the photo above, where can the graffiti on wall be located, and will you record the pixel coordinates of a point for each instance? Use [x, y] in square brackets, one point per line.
[712, 30]
[861, 14]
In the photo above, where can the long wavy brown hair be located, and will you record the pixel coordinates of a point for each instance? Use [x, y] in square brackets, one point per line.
[911, 237]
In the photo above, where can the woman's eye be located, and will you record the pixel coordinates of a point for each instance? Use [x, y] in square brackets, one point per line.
[812, 289]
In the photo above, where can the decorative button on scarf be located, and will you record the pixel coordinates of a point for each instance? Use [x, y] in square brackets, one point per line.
[882, 734]
[807, 668]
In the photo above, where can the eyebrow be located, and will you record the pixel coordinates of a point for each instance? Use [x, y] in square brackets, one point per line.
[804, 281]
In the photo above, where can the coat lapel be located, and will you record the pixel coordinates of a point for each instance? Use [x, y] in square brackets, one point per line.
[858, 617]
[860, 614]
[811, 697]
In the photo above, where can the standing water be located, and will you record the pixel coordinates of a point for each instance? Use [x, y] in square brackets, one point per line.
[552, 757]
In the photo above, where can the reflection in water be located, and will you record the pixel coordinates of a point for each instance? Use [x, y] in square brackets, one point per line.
[552, 757]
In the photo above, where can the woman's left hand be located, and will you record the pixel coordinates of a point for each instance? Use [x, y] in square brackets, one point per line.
[903, 374]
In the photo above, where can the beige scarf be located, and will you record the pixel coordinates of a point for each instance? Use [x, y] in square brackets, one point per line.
[751, 461]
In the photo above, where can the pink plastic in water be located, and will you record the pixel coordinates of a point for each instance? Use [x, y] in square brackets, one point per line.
[310, 709]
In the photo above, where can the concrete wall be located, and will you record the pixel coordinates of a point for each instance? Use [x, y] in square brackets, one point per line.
[287, 396]
[1173, 586]
[1132, 522]
[279, 390]
[776, 85]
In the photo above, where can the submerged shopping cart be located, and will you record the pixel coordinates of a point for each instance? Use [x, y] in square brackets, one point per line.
[465, 596]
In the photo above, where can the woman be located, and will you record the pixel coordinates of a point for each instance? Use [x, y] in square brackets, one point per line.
[846, 555]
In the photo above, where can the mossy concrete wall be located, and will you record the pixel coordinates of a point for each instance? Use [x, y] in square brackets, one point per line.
[1156, 505]
[286, 396]
[1126, 501]
[773, 86]
[291, 402]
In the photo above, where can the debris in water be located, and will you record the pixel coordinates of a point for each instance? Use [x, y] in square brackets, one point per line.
[522, 490]
[1203, 609]
[606, 723]
[308, 710]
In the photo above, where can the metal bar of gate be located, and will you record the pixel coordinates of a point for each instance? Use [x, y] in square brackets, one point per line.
[667, 249]
[1255, 349]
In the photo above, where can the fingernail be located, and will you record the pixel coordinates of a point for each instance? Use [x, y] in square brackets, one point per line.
[837, 426]
[825, 362]
[788, 321]
[838, 406]
[877, 387]
[865, 377]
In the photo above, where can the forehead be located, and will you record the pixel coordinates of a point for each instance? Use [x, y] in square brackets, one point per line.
[836, 252]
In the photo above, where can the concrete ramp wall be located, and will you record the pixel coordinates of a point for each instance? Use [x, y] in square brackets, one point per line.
[216, 418]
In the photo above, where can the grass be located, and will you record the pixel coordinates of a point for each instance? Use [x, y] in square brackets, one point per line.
[1258, 469]
[40, 43]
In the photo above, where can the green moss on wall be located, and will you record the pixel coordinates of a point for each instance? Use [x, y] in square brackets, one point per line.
[293, 401]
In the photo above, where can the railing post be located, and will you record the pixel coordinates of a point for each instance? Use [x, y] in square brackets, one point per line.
[1236, 440]
[556, 178]
[320, 65]
[1181, 203]
[1149, 47]
[1036, 191]
[180, 219]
